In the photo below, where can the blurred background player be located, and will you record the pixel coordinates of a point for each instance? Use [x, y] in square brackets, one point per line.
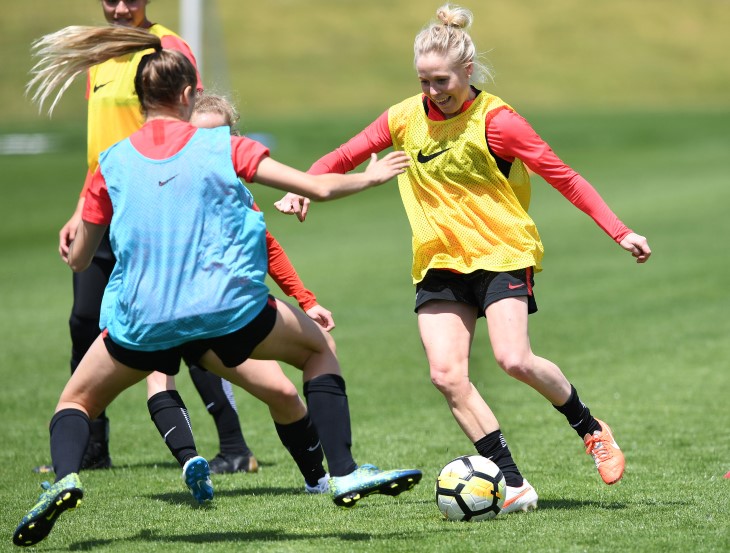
[475, 248]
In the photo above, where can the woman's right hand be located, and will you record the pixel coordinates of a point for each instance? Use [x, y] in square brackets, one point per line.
[293, 204]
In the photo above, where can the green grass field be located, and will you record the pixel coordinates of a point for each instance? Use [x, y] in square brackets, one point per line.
[647, 346]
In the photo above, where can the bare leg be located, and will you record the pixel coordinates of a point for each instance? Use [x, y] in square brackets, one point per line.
[298, 341]
[265, 380]
[159, 382]
[507, 320]
[97, 381]
[447, 331]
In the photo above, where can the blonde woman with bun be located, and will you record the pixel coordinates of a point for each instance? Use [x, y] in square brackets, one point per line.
[475, 248]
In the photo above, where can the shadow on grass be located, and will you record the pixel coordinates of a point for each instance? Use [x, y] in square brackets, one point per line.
[150, 465]
[174, 498]
[173, 465]
[559, 505]
[233, 537]
[571, 504]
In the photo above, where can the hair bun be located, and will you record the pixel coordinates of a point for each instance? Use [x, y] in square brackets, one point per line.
[454, 16]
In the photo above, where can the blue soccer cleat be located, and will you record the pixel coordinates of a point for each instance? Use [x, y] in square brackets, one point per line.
[196, 474]
[369, 479]
[38, 523]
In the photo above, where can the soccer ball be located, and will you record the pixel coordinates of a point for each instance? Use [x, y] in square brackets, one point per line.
[470, 487]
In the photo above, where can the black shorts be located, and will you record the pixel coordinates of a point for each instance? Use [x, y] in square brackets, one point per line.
[233, 349]
[480, 288]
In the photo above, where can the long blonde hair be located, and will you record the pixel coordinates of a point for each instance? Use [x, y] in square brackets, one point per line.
[161, 75]
[448, 36]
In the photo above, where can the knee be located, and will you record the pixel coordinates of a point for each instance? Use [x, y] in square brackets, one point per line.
[515, 365]
[287, 406]
[447, 380]
[283, 393]
[290, 394]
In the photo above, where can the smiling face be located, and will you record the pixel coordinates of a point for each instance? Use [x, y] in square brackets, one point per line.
[444, 82]
[127, 13]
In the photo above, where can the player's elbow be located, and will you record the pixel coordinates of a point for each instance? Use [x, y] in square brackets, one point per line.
[78, 267]
[77, 264]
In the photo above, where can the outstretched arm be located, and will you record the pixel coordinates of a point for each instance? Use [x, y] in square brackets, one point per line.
[510, 137]
[285, 275]
[330, 186]
[374, 138]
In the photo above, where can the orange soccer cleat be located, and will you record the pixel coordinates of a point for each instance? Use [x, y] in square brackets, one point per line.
[606, 453]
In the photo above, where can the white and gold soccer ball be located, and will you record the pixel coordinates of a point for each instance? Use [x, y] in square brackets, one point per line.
[470, 488]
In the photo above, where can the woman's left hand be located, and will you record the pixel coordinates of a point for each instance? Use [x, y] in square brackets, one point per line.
[637, 245]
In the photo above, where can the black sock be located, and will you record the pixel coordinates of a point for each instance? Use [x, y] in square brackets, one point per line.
[578, 415]
[330, 413]
[302, 442]
[493, 446]
[217, 395]
[69, 438]
[100, 432]
[171, 418]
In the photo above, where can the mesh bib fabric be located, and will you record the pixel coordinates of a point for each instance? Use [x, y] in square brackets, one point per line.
[464, 213]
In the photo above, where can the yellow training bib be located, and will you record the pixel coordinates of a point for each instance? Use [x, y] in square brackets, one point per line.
[464, 213]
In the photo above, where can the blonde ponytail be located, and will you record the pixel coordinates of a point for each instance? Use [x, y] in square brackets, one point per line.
[65, 54]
